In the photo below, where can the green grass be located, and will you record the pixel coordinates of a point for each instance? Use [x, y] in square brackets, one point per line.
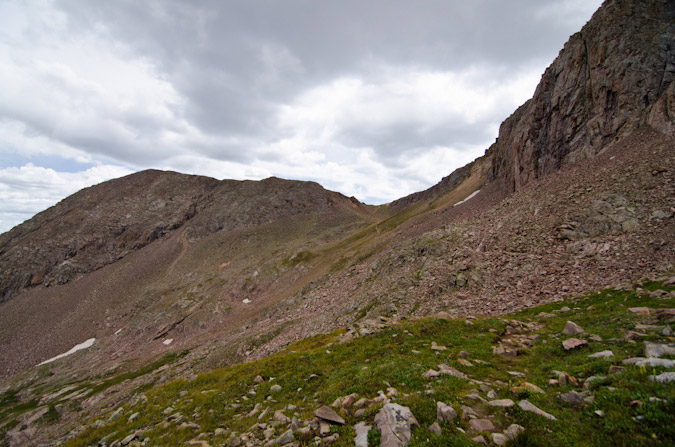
[371, 364]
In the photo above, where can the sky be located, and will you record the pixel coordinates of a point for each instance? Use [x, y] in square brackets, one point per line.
[372, 98]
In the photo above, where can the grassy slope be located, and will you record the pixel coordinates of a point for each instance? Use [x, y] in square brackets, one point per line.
[222, 398]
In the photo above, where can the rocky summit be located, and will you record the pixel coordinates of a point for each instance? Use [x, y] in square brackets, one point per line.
[527, 298]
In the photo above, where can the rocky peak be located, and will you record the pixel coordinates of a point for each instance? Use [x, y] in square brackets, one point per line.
[613, 76]
[103, 223]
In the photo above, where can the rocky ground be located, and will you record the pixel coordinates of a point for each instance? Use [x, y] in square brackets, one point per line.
[593, 371]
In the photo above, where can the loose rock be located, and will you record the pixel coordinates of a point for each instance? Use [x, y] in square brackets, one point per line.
[445, 413]
[571, 328]
[395, 422]
[573, 343]
[329, 415]
[482, 425]
[527, 406]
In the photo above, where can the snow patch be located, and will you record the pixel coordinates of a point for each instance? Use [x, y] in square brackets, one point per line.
[87, 344]
[168, 341]
[471, 196]
[246, 301]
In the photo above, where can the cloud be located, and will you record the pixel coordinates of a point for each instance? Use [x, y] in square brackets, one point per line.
[29, 189]
[376, 99]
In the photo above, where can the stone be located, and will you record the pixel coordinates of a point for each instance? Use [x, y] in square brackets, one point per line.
[331, 439]
[275, 388]
[514, 431]
[644, 311]
[435, 347]
[258, 379]
[468, 412]
[571, 328]
[534, 388]
[324, 428]
[199, 442]
[133, 417]
[482, 425]
[431, 374]
[281, 417]
[527, 406]
[286, 438]
[666, 315]
[501, 403]
[653, 349]
[479, 440]
[395, 422]
[602, 354]
[445, 369]
[572, 398]
[327, 414]
[463, 355]
[573, 343]
[663, 378]
[652, 362]
[465, 362]
[128, 439]
[445, 413]
[595, 338]
[435, 429]
[361, 438]
[499, 438]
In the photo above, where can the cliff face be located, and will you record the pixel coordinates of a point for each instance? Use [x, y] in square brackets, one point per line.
[613, 76]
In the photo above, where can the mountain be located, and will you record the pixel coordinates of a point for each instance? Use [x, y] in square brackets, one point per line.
[174, 275]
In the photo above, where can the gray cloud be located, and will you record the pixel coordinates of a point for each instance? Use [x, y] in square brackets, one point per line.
[374, 98]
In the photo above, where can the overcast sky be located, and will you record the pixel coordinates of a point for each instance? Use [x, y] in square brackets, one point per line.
[372, 98]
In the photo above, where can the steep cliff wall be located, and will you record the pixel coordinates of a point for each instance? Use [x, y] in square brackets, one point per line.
[613, 76]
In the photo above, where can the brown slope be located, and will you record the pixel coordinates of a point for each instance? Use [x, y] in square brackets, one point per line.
[242, 242]
[102, 224]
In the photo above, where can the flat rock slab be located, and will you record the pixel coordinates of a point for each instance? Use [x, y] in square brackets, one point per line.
[503, 403]
[431, 374]
[327, 414]
[527, 406]
[395, 422]
[574, 343]
[653, 349]
[602, 354]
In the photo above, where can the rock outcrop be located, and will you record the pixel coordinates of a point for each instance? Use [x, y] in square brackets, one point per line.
[613, 76]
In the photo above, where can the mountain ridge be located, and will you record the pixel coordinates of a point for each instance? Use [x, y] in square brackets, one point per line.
[574, 195]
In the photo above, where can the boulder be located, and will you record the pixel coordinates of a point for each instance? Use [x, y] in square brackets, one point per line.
[571, 328]
[395, 422]
[361, 438]
[445, 413]
[482, 425]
